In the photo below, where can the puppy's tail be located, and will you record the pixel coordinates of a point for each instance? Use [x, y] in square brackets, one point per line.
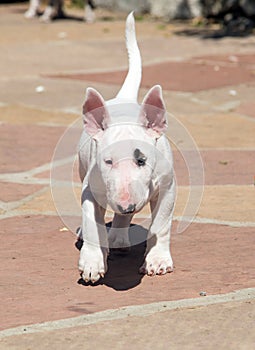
[132, 82]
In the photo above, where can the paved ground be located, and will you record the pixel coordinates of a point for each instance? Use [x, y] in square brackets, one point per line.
[209, 89]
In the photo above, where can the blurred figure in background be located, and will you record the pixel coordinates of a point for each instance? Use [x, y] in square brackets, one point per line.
[55, 9]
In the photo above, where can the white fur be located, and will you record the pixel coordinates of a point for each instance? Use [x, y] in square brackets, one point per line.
[132, 82]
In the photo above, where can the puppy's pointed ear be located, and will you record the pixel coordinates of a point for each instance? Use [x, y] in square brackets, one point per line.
[95, 115]
[153, 112]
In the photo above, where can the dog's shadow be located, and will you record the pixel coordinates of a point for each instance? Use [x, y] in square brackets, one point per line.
[123, 267]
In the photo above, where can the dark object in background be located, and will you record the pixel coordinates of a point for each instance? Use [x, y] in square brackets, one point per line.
[237, 26]
[236, 16]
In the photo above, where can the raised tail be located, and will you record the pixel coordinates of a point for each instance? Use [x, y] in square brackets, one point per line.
[132, 82]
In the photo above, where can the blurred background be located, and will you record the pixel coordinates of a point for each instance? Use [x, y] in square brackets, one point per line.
[236, 17]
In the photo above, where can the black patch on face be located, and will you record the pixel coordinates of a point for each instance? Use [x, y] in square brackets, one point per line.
[140, 158]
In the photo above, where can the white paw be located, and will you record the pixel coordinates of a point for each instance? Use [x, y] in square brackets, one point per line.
[47, 15]
[157, 263]
[92, 263]
[31, 13]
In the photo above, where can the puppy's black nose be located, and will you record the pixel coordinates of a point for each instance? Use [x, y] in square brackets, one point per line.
[129, 210]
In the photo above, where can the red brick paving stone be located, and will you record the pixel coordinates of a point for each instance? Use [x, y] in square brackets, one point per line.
[39, 277]
[247, 108]
[23, 147]
[74, 176]
[220, 167]
[176, 76]
[187, 76]
[14, 191]
[229, 167]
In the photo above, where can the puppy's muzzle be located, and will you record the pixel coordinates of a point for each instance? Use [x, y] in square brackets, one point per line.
[129, 210]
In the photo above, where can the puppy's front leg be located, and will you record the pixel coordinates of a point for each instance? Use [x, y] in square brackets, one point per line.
[94, 252]
[158, 260]
[118, 235]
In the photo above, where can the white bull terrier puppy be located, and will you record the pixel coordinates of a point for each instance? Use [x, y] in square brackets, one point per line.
[125, 162]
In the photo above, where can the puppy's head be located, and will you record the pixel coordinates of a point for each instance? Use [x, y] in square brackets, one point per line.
[125, 141]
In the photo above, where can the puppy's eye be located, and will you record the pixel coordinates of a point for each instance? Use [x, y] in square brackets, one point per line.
[141, 161]
[140, 158]
[108, 161]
